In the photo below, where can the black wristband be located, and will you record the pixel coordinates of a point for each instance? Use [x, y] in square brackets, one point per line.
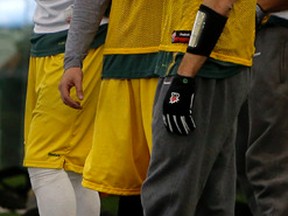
[206, 31]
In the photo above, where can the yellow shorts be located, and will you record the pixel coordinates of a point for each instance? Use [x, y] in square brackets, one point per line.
[57, 136]
[118, 161]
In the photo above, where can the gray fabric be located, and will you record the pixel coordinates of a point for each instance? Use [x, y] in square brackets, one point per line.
[195, 175]
[244, 188]
[86, 18]
[267, 154]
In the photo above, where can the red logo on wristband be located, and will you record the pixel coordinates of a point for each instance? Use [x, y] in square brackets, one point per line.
[174, 97]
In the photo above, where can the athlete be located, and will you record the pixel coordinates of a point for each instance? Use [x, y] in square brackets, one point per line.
[118, 161]
[58, 138]
[263, 139]
[207, 49]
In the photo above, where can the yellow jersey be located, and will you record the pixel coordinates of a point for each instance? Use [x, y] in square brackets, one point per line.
[236, 43]
[138, 25]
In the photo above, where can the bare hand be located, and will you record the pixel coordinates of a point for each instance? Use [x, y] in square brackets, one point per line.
[71, 78]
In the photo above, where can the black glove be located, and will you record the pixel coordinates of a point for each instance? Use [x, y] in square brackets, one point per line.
[177, 106]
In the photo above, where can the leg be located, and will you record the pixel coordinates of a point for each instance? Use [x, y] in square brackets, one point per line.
[54, 192]
[88, 201]
[180, 166]
[120, 138]
[244, 187]
[217, 194]
[267, 162]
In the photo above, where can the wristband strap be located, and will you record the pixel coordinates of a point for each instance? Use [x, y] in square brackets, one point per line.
[206, 31]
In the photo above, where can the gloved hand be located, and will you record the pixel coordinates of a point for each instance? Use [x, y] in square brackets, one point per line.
[177, 106]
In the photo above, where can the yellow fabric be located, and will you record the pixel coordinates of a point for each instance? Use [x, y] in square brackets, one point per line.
[236, 42]
[57, 136]
[137, 24]
[118, 160]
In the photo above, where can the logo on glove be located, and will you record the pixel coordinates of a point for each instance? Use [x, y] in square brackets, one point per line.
[174, 97]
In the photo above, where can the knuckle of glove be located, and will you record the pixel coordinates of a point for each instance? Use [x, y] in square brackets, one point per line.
[179, 95]
[177, 106]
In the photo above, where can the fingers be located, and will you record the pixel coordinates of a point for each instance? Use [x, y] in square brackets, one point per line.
[71, 78]
[79, 90]
[181, 125]
[65, 96]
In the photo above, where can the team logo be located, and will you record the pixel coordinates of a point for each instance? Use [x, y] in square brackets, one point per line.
[181, 36]
[174, 97]
[51, 154]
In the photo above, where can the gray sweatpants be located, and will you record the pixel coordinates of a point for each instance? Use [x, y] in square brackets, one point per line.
[195, 174]
[267, 151]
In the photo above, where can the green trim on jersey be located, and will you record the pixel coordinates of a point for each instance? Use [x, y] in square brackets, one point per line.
[168, 64]
[129, 66]
[54, 43]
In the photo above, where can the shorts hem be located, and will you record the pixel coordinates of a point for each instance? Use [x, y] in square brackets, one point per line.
[111, 190]
[61, 165]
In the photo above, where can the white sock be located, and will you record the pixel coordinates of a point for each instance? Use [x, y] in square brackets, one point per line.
[54, 192]
[88, 201]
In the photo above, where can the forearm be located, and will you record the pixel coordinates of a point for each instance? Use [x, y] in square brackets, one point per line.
[87, 15]
[193, 61]
[273, 6]
[222, 7]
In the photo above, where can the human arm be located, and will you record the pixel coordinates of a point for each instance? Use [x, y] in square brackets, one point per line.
[270, 6]
[87, 15]
[178, 102]
[265, 7]
[191, 63]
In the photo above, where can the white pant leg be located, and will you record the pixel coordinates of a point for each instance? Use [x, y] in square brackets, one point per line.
[88, 201]
[54, 192]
